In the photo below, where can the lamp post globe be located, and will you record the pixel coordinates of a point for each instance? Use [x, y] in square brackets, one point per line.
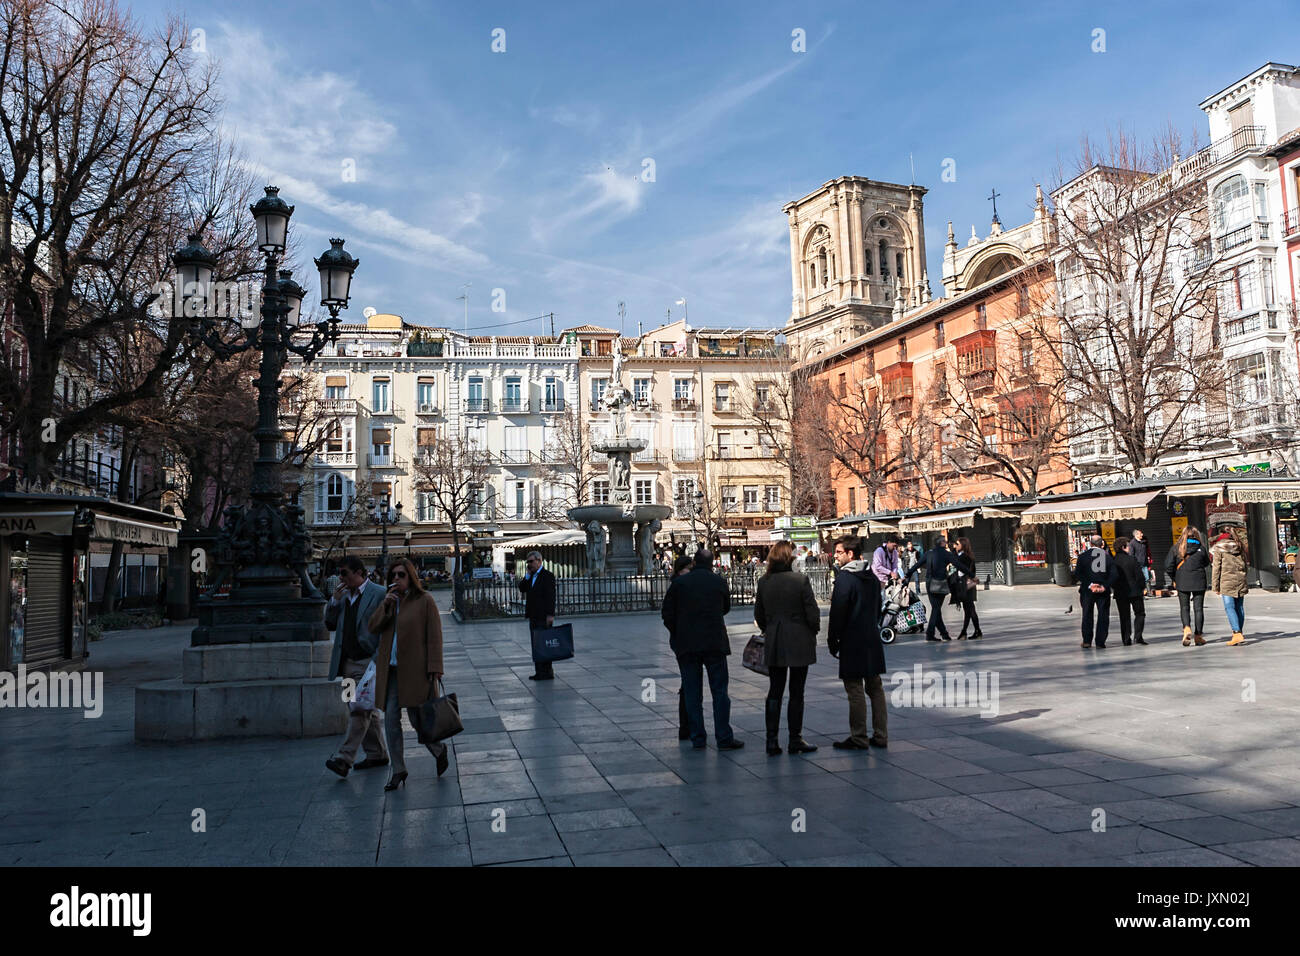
[192, 265]
[271, 214]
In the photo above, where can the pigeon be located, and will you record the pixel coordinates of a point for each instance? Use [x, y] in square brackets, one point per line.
[1070, 609]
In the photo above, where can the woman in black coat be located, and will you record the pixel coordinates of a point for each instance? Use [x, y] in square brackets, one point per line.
[785, 610]
[963, 589]
[1187, 565]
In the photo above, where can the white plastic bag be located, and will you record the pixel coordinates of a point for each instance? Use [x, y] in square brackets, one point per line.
[365, 696]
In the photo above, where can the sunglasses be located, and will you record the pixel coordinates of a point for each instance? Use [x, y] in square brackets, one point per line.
[399, 574]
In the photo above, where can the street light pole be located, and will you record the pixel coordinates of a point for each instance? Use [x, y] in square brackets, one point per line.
[384, 516]
[264, 546]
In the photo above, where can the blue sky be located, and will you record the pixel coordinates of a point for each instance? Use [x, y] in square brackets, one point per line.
[523, 171]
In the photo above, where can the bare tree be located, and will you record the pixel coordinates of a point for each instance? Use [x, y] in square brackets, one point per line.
[109, 157]
[568, 467]
[854, 431]
[783, 391]
[1133, 328]
[453, 472]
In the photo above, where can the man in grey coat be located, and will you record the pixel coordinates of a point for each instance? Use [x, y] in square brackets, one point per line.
[347, 614]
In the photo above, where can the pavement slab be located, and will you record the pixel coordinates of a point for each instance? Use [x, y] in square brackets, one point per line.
[583, 771]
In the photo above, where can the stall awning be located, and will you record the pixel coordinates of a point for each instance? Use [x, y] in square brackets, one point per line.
[1200, 490]
[36, 522]
[939, 522]
[1263, 491]
[877, 525]
[112, 528]
[1102, 508]
[548, 538]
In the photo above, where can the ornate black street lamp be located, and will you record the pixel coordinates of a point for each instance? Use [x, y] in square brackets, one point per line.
[264, 544]
[384, 515]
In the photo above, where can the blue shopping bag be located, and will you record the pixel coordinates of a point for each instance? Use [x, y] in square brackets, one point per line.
[553, 643]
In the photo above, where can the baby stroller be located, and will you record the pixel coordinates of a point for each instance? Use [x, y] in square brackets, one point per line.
[902, 613]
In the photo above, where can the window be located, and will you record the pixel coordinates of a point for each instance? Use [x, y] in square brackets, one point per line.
[772, 497]
[728, 498]
[600, 491]
[841, 385]
[722, 397]
[762, 395]
[598, 386]
[335, 438]
[1231, 204]
[853, 501]
[684, 442]
[645, 491]
[379, 393]
[521, 493]
[334, 493]
[424, 395]
[684, 497]
[477, 501]
[682, 389]
[477, 396]
[938, 335]
[516, 449]
[552, 392]
[724, 444]
[1022, 300]
[898, 261]
[513, 396]
[902, 348]
[981, 316]
[426, 506]
[1026, 353]
[641, 389]
[381, 440]
[941, 379]
[476, 436]
[751, 499]
[766, 446]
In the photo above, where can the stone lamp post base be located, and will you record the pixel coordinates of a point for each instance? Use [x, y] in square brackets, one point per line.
[271, 689]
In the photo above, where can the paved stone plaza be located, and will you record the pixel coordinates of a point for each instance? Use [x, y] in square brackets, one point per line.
[1159, 738]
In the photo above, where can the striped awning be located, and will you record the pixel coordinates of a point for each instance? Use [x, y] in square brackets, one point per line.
[1103, 508]
[939, 522]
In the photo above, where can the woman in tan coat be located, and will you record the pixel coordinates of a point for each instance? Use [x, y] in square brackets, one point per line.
[408, 663]
[1229, 578]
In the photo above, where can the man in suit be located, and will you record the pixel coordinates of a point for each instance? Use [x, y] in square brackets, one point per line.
[1097, 574]
[538, 586]
[347, 614]
[935, 565]
[694, 612]
[854, 638]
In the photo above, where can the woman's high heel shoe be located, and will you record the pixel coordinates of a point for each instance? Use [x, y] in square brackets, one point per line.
[396, 780]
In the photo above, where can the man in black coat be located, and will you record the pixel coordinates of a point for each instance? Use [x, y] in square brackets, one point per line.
[854, 637]
[1097, 573]
[1130, 593]
[694, 612]
[935, 563]
[539, 607]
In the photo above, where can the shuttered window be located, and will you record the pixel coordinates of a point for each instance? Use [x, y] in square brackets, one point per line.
[47, 602]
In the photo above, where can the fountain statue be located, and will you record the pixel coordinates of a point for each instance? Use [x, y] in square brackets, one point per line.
[622, 556]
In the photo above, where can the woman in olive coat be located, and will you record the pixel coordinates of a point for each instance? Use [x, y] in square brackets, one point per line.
[1231, 561]
[408, 662]
[785, 610]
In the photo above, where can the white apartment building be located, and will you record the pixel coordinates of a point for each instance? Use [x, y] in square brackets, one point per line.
[396, 387]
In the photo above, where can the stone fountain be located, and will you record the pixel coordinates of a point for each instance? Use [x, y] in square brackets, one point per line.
[631, 527]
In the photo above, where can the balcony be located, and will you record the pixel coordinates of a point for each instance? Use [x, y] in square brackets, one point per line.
[753, 507]
[644, 405]
[766, 451]
[1240, 326]
[723, 454]
[514, 456]
[426, 408]
[1256, 231]
[478, 405]
[1291, 222]
[686, 454]
[389, 411]
[328, 517]
[386, 461]
[334, 459]
[725, 408]
[481, 513]
[684, 404]
[595, 405]
[903, 406]
[648, 456]
[519, 514]
[340, 406]
[515, 406]
[547, 406]
[1239, 141]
